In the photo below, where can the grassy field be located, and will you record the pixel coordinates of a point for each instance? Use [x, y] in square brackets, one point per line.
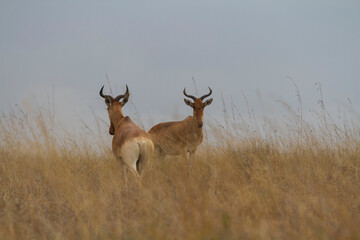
[293, 181]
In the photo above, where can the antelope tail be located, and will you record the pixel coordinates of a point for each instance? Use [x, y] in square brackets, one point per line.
[145, 156]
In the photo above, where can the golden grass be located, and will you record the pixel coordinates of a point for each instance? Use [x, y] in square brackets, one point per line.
[298, 182]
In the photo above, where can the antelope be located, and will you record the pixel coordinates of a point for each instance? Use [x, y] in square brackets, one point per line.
[131, 145]
[181, 137]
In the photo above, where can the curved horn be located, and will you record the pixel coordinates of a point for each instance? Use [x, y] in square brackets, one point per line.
[102, 95]
[101, 92]
[189, 96]
[206, 95]
[123, 95]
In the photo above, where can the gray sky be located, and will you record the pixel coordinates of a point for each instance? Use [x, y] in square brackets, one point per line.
[65, 49]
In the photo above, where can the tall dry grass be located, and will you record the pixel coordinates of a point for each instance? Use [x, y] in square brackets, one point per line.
[293, 180]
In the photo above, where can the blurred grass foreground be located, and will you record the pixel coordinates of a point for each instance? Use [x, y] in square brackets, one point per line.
[248, 180]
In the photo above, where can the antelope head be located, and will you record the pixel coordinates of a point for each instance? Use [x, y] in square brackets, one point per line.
[114, 106]
[198, 106]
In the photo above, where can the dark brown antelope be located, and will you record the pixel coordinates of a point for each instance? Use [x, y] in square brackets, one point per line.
[131, 145]
[181, 137]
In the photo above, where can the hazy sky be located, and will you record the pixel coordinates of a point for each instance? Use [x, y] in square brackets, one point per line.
[65, 49]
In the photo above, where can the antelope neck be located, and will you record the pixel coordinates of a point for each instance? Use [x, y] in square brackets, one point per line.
[194, 124]
[116, 118]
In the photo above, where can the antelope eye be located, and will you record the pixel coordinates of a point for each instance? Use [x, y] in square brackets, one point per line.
[107, 101]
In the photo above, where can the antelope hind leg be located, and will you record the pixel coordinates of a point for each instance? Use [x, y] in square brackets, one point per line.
[131, 154]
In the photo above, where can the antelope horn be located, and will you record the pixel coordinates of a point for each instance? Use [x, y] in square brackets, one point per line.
[189, 96]
[102, 95]
[206, 95]
[123, 95]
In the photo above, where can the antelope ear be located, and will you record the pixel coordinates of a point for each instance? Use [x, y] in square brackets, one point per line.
[208, 102]
[188, 102]
[107, 102]
[125, 100]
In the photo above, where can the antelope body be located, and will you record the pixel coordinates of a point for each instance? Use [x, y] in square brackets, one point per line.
[181, 137]
[131, 145]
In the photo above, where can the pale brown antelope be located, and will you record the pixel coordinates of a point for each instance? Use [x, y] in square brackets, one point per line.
[181, 137]
[131, 145]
